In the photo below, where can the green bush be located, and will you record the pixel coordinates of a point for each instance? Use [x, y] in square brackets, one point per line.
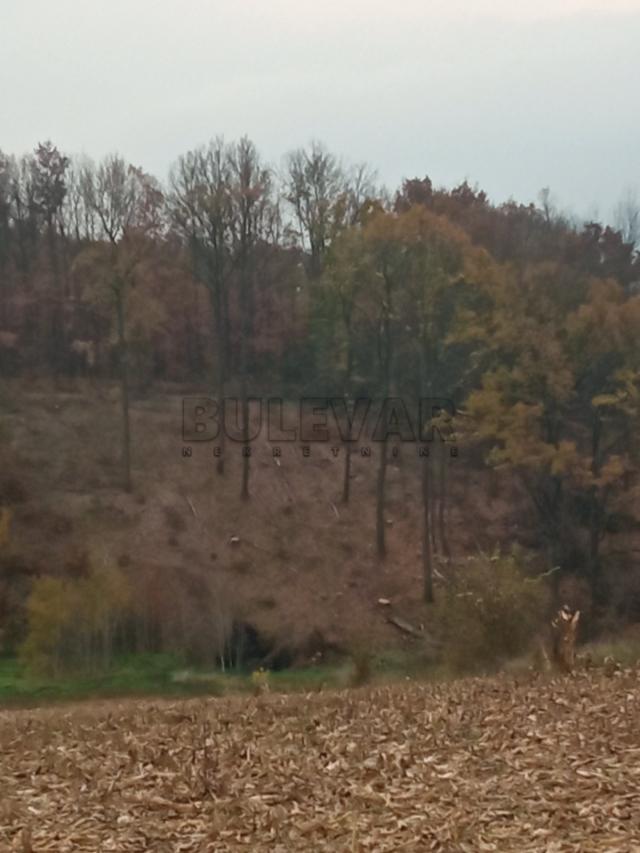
[490, 611]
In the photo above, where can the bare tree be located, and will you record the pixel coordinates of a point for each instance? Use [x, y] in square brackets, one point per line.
[315, 184]
[627, 217]
[127, 203]
[252, 219]
[201, 207]
[23, 214]
[547, 205]
[77, 217]
[49, 168]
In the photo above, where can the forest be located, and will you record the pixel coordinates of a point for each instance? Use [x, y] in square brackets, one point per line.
[237, 278]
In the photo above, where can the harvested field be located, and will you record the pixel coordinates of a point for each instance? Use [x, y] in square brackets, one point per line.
[481, 764]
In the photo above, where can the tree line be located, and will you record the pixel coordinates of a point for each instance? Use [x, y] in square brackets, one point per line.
[312, 279]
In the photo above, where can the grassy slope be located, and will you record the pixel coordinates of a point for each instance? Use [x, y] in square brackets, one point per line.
[304, 564]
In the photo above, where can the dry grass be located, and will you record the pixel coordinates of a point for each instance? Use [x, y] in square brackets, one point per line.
[298, 545]
[469, 766]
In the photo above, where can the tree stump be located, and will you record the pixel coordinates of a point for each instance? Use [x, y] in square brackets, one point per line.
[564, 628]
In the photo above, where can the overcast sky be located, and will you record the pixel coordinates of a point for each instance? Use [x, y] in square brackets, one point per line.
[512, 95]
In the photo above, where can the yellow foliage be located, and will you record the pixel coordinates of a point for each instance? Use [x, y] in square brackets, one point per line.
[260, 680]
[51, 609]
[71, 623]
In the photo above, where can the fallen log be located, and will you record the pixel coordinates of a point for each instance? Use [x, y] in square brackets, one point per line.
[405, 626]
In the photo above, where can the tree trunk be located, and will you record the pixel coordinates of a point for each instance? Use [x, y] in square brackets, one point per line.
[56, 330]
[246, 448]
[429, 543]
[386, 384]
[427, 554]
[431, 499]
[221, 396]
[563, 638]
[123, 359]
[244, 368]
[442, 503]
[4, 270]
[381, 545]
[595, 511]
[219, 357]
[346, 486]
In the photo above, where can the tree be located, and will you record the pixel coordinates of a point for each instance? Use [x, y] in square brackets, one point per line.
[78, 220]
[72, 622]
[346, 276]
[252, 212]
[325, 198]
[408, 270]
[314, 183]
[6, 170]
[388, 260]
[24, 215]
[128, 205]
[627, 217]
[201, 208]
[557, 404]
[49, 168]
[605, 355]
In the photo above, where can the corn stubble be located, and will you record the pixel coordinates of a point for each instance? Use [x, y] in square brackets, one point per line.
[473, 765]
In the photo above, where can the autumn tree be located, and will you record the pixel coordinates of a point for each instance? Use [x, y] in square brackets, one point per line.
[347, 273]
[556, 404]
[420, 264]
[605, 356]
[128, 205]
[73, 622]
[386, 264]
[441, 258]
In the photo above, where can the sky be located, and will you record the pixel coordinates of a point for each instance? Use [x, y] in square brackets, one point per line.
[512, 96]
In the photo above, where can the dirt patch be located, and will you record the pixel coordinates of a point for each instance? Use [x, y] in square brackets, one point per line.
[293, 545]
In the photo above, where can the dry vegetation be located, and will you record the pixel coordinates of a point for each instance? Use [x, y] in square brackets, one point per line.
[473, 765]
[303, 571]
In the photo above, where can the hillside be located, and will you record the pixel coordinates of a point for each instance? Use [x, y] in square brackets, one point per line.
[303, 571]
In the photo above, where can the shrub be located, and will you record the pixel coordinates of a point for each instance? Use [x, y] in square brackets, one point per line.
[190, 613]
[361, 671]
[72, 623]
[490, 611]
[260, 681]
[50, 611]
